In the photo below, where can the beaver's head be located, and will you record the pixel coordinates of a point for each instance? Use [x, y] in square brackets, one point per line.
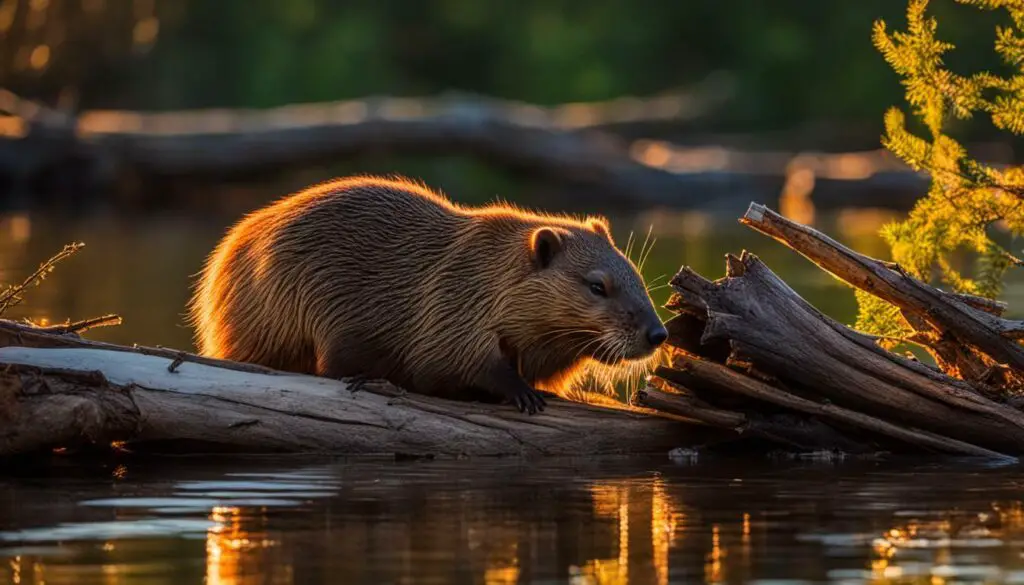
[588, 299]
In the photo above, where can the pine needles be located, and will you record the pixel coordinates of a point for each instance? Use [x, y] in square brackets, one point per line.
[967, 200]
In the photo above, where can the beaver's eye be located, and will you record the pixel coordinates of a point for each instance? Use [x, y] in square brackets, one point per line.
[598, 289]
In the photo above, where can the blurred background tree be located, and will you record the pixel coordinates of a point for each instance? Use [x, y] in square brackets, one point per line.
[799, 63]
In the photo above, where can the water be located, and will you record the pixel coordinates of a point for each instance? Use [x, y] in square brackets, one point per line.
[613, 520]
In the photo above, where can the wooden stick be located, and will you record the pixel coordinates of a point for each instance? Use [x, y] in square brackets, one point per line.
[80, 326]
[945, 312]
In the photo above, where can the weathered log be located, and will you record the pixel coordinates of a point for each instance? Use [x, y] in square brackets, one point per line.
[967, 335]
[688, 370]
[771, 329]
[22, 335]
[564, 142]
[797, 433]
[63, 397]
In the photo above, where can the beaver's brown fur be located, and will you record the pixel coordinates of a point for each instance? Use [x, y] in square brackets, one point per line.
[379, 278]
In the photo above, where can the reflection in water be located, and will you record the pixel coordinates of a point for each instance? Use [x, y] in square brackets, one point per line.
[614, 521]
[239, 552]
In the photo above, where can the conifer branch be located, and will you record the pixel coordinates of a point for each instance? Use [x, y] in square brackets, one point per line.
[966, 196]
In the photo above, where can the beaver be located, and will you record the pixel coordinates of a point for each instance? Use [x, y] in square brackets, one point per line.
[384, 278]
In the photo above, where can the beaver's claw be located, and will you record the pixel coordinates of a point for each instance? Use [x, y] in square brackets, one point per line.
[529, 400]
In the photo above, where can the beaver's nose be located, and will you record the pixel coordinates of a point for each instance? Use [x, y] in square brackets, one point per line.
[657, 335]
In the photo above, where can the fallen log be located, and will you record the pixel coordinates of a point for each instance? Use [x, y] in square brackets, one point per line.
[581, 145]
[71, 396]
[749, 358]
[568, 143]
[748, 348]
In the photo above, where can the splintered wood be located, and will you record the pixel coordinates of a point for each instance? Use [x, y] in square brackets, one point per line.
[749, 345]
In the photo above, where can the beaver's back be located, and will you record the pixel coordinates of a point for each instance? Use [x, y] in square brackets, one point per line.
[375, 265]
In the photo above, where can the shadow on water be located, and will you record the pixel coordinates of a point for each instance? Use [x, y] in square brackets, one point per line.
[507, 521]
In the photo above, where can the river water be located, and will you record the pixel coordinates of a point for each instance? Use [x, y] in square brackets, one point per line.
[611, 520]
[651, 521]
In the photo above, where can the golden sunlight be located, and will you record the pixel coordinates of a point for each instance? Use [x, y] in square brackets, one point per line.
[503, 570]
[13, 127]
[145, 31]
[7, 10]
[713, 563]
[795, 201]
[637, 517]
[237, 556]
[651, 152]
[40, 57]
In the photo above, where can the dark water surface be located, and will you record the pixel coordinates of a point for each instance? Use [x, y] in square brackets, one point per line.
[650, 521]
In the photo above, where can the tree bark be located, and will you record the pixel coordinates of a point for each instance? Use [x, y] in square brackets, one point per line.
[966, 335]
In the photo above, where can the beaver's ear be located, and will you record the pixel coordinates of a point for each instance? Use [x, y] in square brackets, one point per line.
[600, 226]
[545, 244]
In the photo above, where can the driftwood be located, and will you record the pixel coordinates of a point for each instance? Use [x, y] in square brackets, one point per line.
[61, 391]
[580, 145]
[749, 348]
[570, 143]
[966, 335]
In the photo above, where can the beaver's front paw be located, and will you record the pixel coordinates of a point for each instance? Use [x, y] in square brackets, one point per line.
[528, 400]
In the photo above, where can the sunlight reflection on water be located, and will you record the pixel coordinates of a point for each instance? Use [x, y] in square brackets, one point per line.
[611, 520]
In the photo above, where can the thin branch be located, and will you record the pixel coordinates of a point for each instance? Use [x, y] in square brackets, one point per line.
[12, 295]
[80, 326]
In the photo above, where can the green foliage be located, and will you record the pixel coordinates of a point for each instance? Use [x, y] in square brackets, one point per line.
[795, 61]
[968, 202]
